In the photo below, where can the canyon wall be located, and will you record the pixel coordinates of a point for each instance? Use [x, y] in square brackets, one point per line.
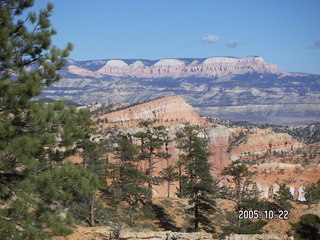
[226, 144]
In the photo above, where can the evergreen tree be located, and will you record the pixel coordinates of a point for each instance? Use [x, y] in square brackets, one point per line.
[244, 187]
[312, 193]
[308, 228]
[129, 183]
[153, 138]
[184, 142]
[246, 195]
[200, 184]
[93, 155]
[283, 197]
[36, 137]
[169, 175]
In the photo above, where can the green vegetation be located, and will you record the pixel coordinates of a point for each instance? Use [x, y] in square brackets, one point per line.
[199, 184]
[308, 228]
[128, 182]
[245, 227]
[246, 196]
[169, 175]
[152, 139]
[244, 188]
[283, 197]
[42, 194]
[38, 188]
[312, 193]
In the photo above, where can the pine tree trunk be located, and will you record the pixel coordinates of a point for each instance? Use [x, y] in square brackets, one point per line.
[93, 199]
[180, 180]
[150, 185]
[169, 183]
[132, 213]
[196, 217]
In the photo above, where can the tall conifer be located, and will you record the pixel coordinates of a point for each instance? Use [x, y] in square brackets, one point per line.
[36, 187]
[129, 183]
[199, 185]
[153, 138]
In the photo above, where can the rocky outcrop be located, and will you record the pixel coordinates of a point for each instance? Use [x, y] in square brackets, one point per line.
[167, 109]
[165, 236]
[253, 237]
[261, 142]
[100, 233]
[295, 179]
[175, 68]
[218, 144]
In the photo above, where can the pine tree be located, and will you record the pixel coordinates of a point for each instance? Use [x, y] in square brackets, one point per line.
[153, 138]
[244, 187]
[129, 183]
[312, 193]
[184, 142]
[93, 156]
[246, 195]
[283, 197]
[169, 175]
[308, 228]
[199, 182]
[37, 189]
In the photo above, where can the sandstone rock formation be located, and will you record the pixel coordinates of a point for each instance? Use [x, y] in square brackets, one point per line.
[167, 109]
[177, 68]
[262, 141]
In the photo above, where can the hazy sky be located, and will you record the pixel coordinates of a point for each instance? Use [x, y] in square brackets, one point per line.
[283, 32]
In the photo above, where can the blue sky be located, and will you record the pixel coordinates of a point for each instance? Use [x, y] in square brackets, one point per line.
[283, 32]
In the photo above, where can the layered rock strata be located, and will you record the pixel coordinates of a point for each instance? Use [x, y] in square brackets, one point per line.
[167, 109]
[176, 68]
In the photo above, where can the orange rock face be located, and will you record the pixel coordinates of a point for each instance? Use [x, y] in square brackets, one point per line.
[263, 141]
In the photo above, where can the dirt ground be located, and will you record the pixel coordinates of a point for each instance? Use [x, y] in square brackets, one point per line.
[175, 210]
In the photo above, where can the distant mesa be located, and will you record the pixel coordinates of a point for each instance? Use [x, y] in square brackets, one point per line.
[175, 68]
[236, 89]
[116, 63]
[169, 62]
